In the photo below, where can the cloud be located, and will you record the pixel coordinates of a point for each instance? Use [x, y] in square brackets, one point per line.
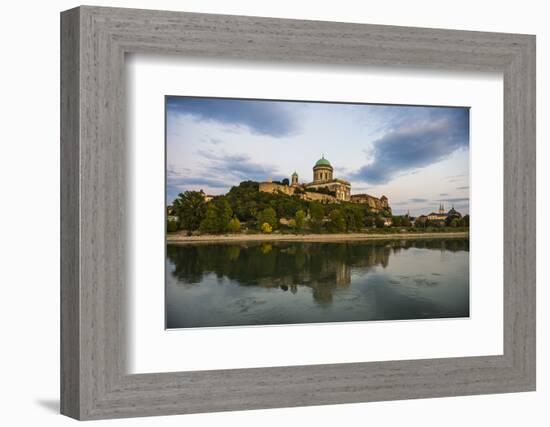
[271, 118]
[417, 200]
[197, 181]
[443, 194]
[425, 138]
[235, 168]
[217, 173]
[179, 181]
[455, 200]
[209, 140]
[466, 187]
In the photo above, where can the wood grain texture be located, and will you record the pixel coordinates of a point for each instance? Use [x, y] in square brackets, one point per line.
[70, 260]
[94, 272]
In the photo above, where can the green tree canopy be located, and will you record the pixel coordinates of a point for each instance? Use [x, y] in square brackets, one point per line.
[317, 214]
[379, 222]
[217, 217]
[268, 216]
[354, 216]
[190, 208]
[300, 219]
[397, 221]
[234, 225]
[337, 222]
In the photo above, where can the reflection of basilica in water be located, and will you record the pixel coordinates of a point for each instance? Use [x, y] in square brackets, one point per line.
[325, 268]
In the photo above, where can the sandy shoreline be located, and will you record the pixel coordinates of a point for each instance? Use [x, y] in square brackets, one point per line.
[181, 239]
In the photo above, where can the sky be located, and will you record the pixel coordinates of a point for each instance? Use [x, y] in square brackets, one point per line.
[417, 156]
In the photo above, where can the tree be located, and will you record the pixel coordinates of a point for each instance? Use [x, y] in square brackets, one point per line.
[266, 228]
[210, 223]
[190, 208]
[397, 221]
[285, 181]
[406, 222]
[453, 223]
[369, 221]
[354, 217]
[171, 226]
[466, 219]
[337, 222]
[317, 214]
[234, 225]
[379, 222]
[268, 216]
[300, 219]
[217, 217]
[225, 213]
[421, 222]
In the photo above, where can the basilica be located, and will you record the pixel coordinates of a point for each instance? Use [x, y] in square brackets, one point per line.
[324, 188]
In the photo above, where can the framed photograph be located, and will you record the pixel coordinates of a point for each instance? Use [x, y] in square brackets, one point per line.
[337, 212]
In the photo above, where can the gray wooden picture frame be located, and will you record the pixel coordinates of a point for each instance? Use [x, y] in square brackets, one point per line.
[94, 381]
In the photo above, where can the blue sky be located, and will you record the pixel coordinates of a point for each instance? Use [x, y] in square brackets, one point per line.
[417, 156]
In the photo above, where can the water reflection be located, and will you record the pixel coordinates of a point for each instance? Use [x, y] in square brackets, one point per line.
[299, 282]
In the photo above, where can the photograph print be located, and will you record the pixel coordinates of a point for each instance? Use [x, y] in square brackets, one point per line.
[286, 212]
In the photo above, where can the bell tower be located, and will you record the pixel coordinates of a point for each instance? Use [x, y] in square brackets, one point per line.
[294, 179]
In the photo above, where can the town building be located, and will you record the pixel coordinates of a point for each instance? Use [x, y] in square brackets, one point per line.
[324, 188]
[440, 216]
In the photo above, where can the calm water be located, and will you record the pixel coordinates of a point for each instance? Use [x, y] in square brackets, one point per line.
[264, 283]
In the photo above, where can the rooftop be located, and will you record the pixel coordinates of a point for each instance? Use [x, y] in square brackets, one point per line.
[323, 162]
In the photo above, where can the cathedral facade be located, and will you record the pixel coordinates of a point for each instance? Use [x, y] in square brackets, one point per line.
[323, 179]
[324, 187]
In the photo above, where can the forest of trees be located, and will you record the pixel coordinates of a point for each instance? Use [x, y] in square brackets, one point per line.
[245, 207]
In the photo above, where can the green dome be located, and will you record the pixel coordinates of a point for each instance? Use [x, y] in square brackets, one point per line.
[323, 162]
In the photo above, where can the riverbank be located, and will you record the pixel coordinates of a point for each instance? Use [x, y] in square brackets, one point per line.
[183, 238]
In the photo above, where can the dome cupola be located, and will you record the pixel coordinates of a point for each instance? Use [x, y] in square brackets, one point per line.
[323, 162]
[322, 171]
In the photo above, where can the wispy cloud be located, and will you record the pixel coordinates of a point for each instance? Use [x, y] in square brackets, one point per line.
[466, 187]
[219, 171]
[272, 118]
[455, 200]
[417, 143]
[236, 167]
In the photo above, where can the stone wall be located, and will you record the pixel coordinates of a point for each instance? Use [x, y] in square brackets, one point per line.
[271, 187]
[320, 197]
[373, 202]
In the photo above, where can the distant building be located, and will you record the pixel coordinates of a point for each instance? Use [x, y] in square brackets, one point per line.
[206, 197]
[441, 215]
[324, 188]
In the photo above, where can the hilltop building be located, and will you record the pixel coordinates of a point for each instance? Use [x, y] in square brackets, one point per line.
[324, 188]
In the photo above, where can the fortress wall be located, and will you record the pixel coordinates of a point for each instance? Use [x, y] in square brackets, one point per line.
[271, 187]
[319, 197]
[371, 201]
